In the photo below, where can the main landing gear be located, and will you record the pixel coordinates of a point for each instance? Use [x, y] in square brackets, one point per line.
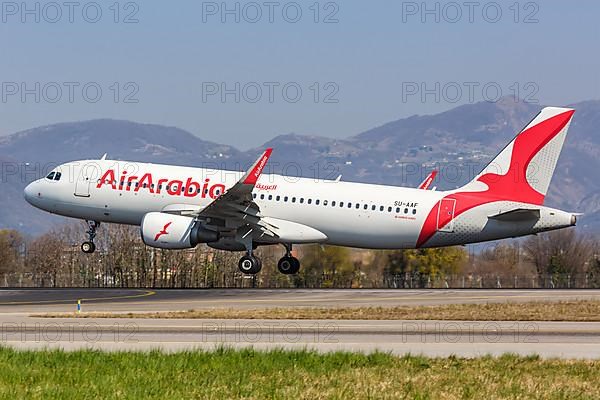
[288, 264]
[89, 247]
[251, 265]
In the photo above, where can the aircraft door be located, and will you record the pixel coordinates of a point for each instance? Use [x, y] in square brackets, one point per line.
[445, 220]
[88, 173]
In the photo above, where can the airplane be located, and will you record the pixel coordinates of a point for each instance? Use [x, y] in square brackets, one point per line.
[180, 207]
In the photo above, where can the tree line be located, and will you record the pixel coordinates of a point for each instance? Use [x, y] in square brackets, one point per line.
[559, 259]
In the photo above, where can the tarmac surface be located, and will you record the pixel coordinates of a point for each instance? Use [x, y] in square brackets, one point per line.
[18, 328]
[140, 300]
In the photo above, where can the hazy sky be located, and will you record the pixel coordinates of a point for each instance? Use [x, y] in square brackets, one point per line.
[358, 64]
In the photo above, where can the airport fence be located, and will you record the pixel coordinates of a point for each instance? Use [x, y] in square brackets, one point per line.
[189, 279]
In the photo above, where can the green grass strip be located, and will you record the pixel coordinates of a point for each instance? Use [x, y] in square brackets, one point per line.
[249, 374]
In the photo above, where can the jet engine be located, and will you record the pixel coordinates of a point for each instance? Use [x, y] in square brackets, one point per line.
[169, 231]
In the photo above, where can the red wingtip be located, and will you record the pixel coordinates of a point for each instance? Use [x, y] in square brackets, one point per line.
[429, 180]
[258, 168]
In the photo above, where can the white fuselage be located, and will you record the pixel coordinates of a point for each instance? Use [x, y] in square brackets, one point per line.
[348, 214]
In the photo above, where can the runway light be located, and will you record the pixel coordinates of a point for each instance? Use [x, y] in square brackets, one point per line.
[78, 306]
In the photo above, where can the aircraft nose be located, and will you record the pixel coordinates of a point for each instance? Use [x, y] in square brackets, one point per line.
[31, 192]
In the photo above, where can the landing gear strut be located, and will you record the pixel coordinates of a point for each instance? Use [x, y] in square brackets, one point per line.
[288, 264]
[249, 264]
[89, 247]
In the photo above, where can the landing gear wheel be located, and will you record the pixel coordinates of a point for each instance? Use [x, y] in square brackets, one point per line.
[288, 265]
[250, 265]
[88, 247]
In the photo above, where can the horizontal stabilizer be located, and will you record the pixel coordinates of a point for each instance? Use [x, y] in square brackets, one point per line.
[520, 214]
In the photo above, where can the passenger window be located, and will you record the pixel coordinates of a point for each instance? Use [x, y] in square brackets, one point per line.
[415, 211]
[381, 208]
[349, 205]
[301, 200]
[317, 202]
[309, 201]
[398, 210]
[357, 206]
[333, 204]
[389, 209]
[341, 204]
[366, 206]
[270, 197]
[373, 207]
[324, 202]
[406, 211]
[262, 196]
[254, 195]
[285, 199]
[278, 198]
[293, 199]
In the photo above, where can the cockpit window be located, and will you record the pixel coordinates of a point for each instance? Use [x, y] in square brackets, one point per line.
[51, 176]
[57, 176]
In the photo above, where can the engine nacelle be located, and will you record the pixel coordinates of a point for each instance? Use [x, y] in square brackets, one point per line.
[169, 231]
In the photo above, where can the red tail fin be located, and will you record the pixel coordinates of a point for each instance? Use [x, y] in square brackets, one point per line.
[524, 169]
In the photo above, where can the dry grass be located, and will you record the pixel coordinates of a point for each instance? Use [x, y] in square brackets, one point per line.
[577, 310]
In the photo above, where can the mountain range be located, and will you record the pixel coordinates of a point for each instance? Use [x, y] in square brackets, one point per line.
[458, 142]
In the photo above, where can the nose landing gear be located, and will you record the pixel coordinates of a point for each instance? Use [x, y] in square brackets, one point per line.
[89, 247]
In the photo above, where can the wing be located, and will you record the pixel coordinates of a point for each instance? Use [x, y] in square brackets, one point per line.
[236, 208]
[428, 181]
[235, 213]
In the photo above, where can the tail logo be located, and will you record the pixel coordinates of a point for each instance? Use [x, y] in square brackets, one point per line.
[512, 185]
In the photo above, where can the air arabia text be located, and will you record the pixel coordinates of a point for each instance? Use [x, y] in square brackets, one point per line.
[173, 187]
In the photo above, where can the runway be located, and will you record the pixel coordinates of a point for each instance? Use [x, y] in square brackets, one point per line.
[142, 300]
[433, 338]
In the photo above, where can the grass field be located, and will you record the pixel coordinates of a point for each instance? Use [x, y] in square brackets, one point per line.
[228, 374]
[580, 310]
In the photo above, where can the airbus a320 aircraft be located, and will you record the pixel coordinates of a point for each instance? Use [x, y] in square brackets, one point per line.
[180, 207]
